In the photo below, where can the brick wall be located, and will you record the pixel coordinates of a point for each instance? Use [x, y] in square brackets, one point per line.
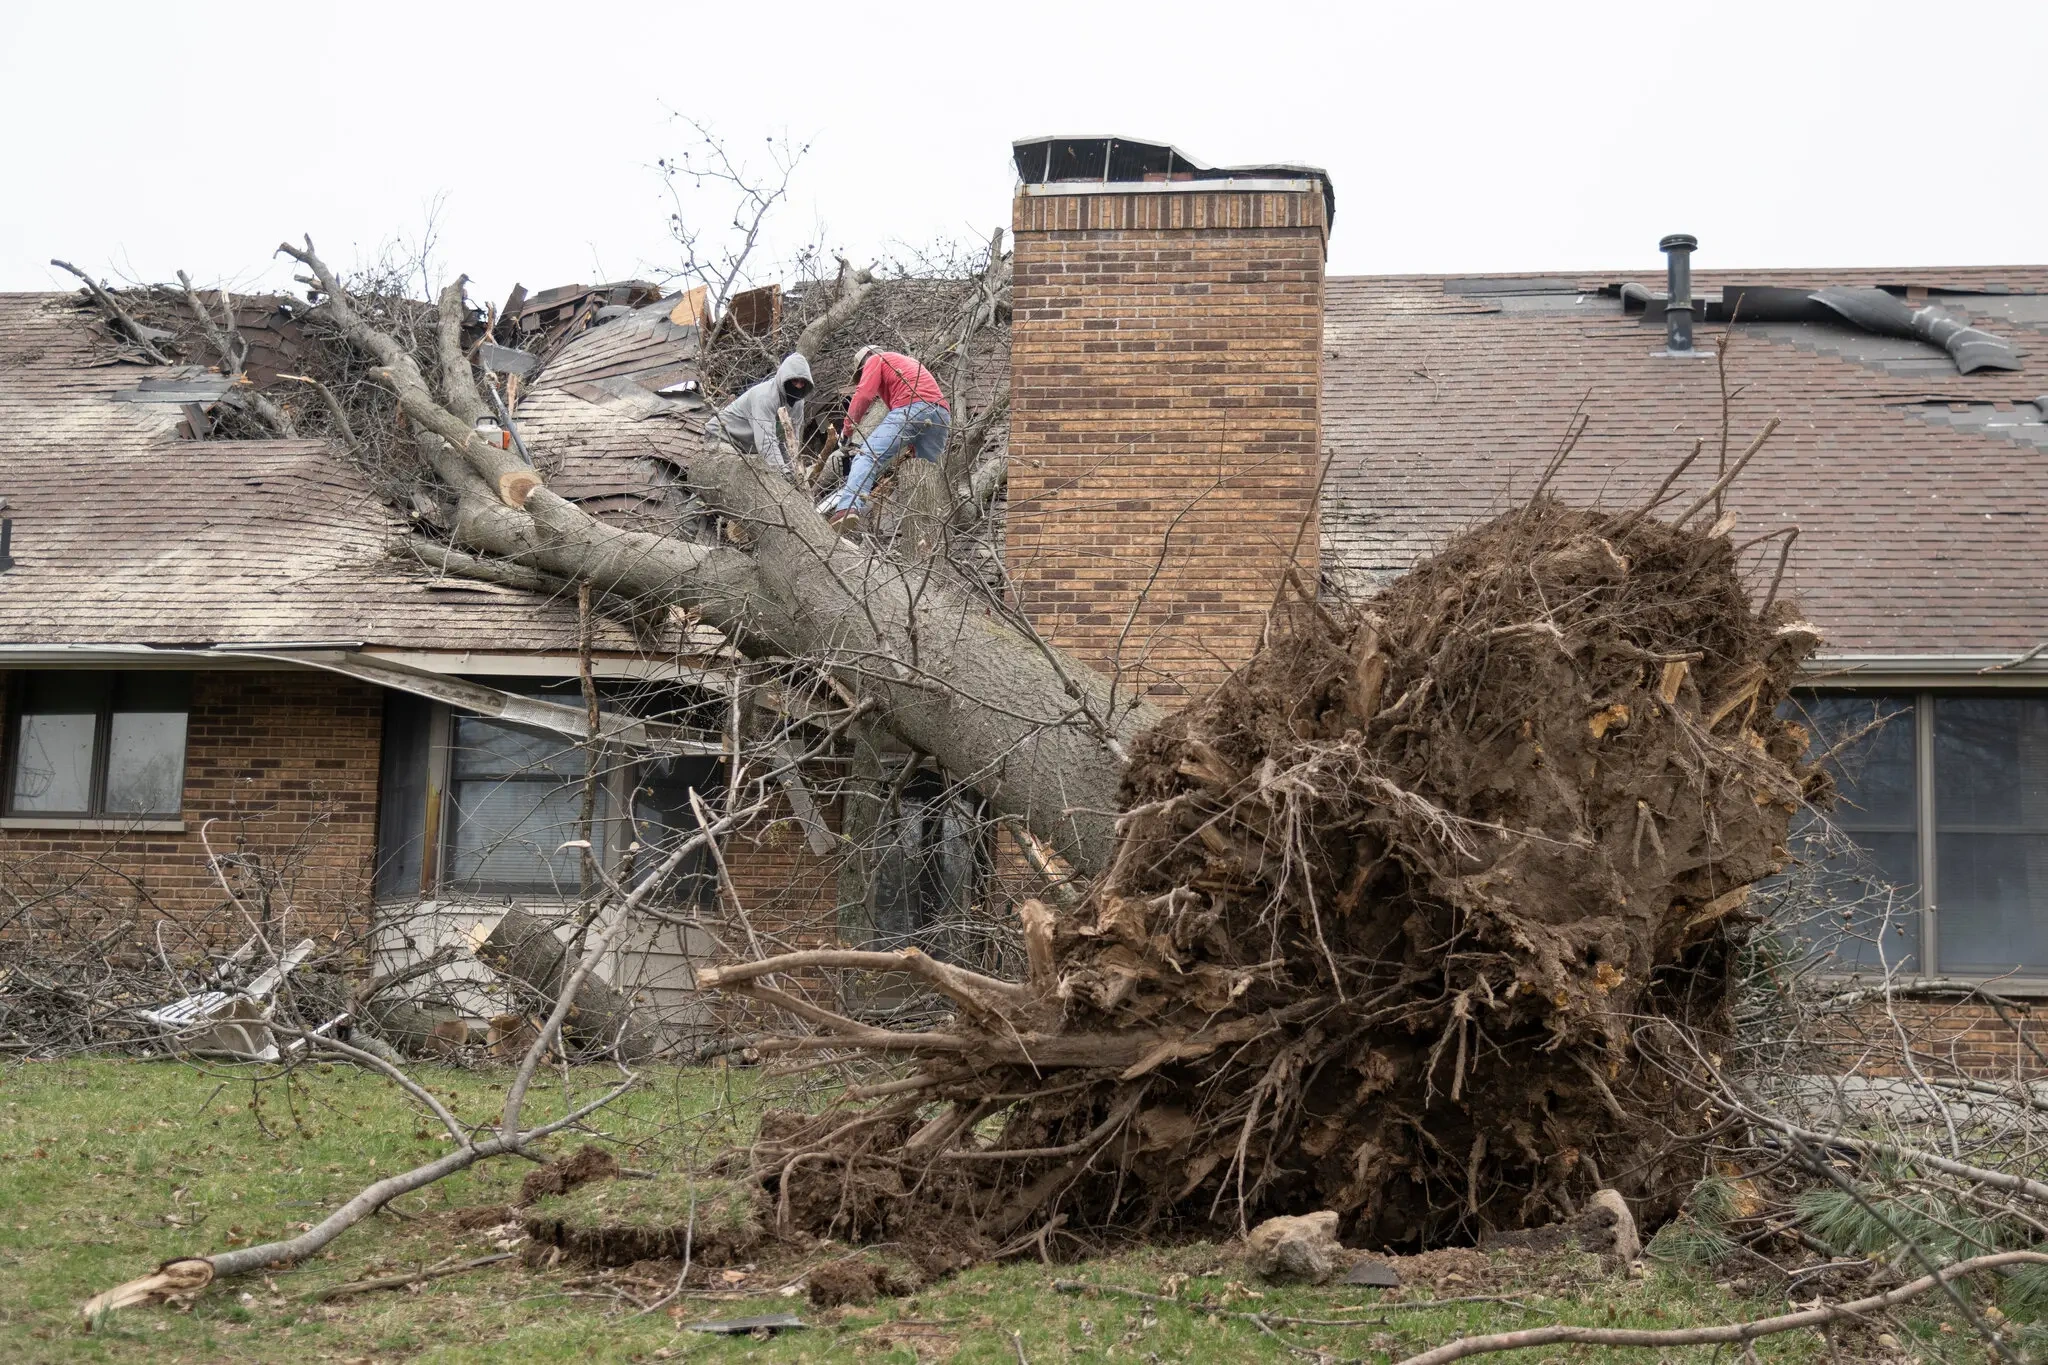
[285, 764]
[790, 893]
[1166, 374]
[1966, 1036]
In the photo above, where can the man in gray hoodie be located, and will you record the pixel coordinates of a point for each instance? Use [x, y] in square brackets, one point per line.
[748, 422]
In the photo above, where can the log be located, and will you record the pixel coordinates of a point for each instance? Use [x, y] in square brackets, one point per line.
[523, 948]
[1047, 735]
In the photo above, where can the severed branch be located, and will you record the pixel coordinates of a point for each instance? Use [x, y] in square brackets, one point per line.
[513, 481]
[405, 1281]
[853, 287]
[968, 988]
[335, 411]
[234, 353]
[137, 333]
[484, 568]
[190, 1274]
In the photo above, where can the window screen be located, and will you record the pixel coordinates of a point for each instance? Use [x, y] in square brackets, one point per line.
[515, 796]
[1991, 834]
[99, 744]
[1862, 874]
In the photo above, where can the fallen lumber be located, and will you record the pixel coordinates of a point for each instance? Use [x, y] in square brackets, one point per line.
[340, 1291]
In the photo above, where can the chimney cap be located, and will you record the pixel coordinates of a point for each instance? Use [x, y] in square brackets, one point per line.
[1679, 241]
[1104, 158]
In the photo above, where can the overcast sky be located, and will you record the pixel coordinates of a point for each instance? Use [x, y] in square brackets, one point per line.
[142, 138]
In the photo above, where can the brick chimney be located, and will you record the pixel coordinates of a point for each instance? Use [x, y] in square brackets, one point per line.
[1166, 369]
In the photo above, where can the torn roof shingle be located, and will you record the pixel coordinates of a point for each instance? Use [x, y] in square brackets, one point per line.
[1921, 494]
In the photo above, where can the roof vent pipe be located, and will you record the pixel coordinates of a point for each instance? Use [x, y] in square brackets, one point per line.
[1678, 249]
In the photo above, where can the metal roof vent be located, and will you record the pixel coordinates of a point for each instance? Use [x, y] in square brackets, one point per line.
[1678, 249]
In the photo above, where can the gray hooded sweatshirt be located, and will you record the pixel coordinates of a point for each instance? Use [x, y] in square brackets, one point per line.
[749, 420]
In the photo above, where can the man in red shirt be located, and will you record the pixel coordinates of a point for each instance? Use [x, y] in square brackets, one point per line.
[918, 419]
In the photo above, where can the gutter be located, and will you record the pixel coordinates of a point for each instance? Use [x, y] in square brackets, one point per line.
[2026, 669]
[614, 727]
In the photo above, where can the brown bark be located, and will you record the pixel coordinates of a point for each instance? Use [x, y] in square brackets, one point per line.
[524, 949]
[1038, 732]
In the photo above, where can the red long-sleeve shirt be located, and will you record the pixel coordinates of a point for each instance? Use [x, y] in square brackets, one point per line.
[897, 380]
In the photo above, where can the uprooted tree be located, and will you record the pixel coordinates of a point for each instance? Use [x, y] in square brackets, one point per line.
[1422, 917]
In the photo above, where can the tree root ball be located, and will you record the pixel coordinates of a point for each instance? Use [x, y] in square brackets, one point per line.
[1427, 918]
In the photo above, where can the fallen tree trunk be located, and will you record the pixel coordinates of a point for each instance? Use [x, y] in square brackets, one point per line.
[525, 950]
[1385, 918]
[1043, 737]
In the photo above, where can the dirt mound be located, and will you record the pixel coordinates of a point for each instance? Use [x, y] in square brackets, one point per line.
[856, 1281]
[589, 1162]
[616, 1223]
[1420, 918]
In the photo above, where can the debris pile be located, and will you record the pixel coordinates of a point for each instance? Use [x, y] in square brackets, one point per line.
[1425, 918]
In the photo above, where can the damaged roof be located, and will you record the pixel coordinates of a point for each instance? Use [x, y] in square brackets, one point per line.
[1920, 492]
[123, 533]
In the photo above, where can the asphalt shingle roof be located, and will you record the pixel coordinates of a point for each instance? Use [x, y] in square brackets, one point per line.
[1921, 494]
[126, 534]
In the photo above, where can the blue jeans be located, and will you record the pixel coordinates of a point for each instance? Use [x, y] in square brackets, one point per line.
[921, 426]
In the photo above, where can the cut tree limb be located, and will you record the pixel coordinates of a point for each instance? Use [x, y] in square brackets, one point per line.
[183, 1274]
[340, 1291]
[524, 949]
[143, 337]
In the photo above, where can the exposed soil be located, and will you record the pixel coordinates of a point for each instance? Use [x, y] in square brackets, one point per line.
[587, 1163]
[484, 1216]
[618, 1222]
[1427, 916]
[854, 1281]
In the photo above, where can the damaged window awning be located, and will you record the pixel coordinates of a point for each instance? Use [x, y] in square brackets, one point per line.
[614, 727]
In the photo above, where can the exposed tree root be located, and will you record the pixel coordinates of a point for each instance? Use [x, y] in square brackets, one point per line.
[1386, 920]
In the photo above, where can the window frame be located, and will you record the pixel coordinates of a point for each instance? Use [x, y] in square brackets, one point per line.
[438, 827]
[935, 796]
[96, 814]
[1926, 899]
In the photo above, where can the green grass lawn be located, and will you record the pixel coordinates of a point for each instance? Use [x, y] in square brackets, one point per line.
[107, 1167]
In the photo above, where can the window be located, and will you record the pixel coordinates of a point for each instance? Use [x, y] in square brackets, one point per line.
[1866, 869]
[1991, 833]
[99, 745]
[481, 806]
[933, 864]
[514, 796]
[1939, 842]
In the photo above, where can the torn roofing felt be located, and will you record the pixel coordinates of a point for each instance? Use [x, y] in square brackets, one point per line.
[1918, 489]
[1877, 311]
